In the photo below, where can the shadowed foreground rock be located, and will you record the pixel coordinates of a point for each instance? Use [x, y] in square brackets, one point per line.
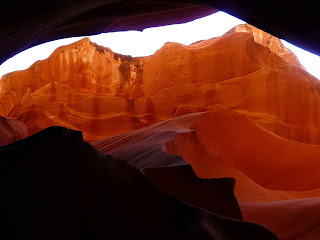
[214, 195]
[276, 178]
[56, 186]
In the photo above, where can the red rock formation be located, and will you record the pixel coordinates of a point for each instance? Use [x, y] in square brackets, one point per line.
[273, 43]
[240, 74]
[89, 88]
[82, 86]
[228, 144]
[11, 131]
[276, 179]
[242, 108]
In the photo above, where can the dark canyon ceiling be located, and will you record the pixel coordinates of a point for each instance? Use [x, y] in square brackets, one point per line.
[28, 23]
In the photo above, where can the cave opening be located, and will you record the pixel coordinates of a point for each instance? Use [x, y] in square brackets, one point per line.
[228, 125]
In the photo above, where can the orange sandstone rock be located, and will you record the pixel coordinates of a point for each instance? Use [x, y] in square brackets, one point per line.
[273, 43]
[11, 131]
[240, 74]
[276, 179]
[89, 88]
[238, 106]
[81, 86]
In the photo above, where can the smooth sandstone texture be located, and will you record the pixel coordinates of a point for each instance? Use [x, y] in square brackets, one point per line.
[273, 43]
[82, 86]
[276, 178]
[87, 87]
[11, 131]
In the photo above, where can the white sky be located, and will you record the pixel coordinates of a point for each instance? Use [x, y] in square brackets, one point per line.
[148, 41]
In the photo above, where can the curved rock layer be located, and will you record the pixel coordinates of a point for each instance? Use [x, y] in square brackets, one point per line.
[11, 131]
[276, 178]
[273, 43]
[56, 186]
[87, 87]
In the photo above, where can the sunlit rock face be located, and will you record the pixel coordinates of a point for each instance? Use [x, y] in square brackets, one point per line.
[81, 86]
[273, 43]
[240, 74]
[87, 87]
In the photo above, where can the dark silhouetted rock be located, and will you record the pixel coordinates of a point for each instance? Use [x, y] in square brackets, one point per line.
[55, 186]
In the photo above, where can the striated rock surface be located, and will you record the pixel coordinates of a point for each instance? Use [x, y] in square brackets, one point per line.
[11, 130]
[240, 74]
[82, 86]
[87, 87]
[273, 43]
[276, 178]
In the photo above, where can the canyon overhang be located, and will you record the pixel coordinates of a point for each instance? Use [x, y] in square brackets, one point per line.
[28, 23]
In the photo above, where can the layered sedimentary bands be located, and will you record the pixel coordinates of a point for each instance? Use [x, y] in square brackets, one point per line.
[11, 131]
[226, 129]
